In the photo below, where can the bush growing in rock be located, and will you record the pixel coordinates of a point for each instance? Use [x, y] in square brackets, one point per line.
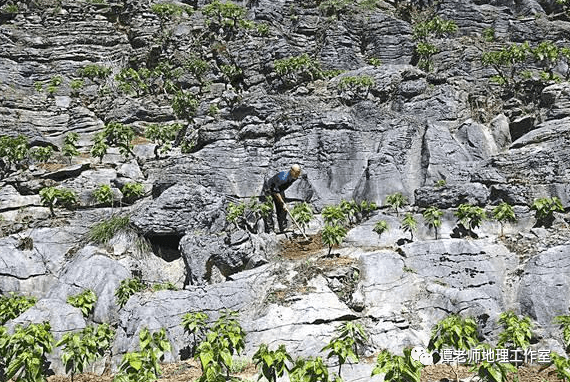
[380, 227]
[303, 214]
[82, 348]
[345, 345]
[163, 136]
[311, 369]
[42, 154]
[193, 323]
[334, 215]
[11, 306]
[297, 70]
[85, 301]
[126, 289]
[143, 366]
[51, 197]
[409, 224]
[333, 235]
[544, 210]
[424, 32]
[132, 191]
[273, 362]
[564, 322]
[93, 71]
[69, 148]
[398, 368]
[516, 332]
[432, 216]
[504, 212]
[396, 201]
[25, 351]
[246, 215]
[13, 151]
[470, 217]
[104, 195]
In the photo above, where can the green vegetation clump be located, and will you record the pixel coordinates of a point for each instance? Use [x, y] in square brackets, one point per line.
[51, 197]
[246, 215]
[170, 10]
[114, 134]
[398, 368]
[432, 216]
[409, 224]
[70, 145]
[42, 154]
[333, 235]
[470, 217]
[380, 227]
[424, 33]
[303, 214]
[13, 151]
[128, 288]
[104, 231]
[85, 301]
[297, 70]
[132, 191]
[544, 210]
[396, 201]
[104, 195]
[93, 71]
[11, 306]
[504, 212]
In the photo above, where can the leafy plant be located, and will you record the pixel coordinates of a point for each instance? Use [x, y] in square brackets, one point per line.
[470, 216]
[455, 332]
[409, 224]
[517, 331]
[296, 70]
[25, 352]
[227, 16]
[42, 154]
[143, 366]
[163, 136]
[13, 150]
[11, 306]
[334, 7]
[564, 322]
[345, 345]
[504, 212]
[309, 370]
[246, 215]
[132, 191]
[562, 365]
[492, 371]
[70, 145]
[396, 201]
[104, 195]
[359, 85]
[333, 215]
[105, 230]
[375, 61]
[53, 84]
[303, 214]
[507, 63]
[380, 227]
[184, 104]
[441, 183]
[51, 197]
[273, 362]
[85, 301]
[544, 210]
[432, 216]
[126, 289]
[333, 235]
[82, 348]
[93, 71]
[398, 368]
[169, 10]
[489, 34]
[225, 338]
[424, 32]
[99, 148]
[119, 135]
[193, 323]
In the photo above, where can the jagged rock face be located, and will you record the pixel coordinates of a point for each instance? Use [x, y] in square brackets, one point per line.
[406, 131]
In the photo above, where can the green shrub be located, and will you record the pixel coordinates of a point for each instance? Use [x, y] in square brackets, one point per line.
[409, 224]
[246, 215]
[163, 135]
[70, 145]
[10, 9]
[54, 84]
[424, 33]
[470, 216]
[132, 191]
[544, 210]
[82, 348]
[489, 34]
[128, 288]
[507, 63]
[25, 352]
[13, 150]
[504, 212]
[119, 135]
[76, 84]
[335, 7]
[104, 195]
[380, 227]
[345, 344]
[492, 371]
[516, 332]
[303, 214]
[170, 10]
[227, 17]
[432, 217]
[99, 148]
[309, 370]
[42, 154]
[562, 365]
[454, 332]
[396, 201]
[184, 104]
[297, 70]
[85, 301]
[273, 362]
[194, 323]
[564, 322]
[11, 306]
[333, 235]
[104, 231]
[93, 71]
[51, 197]
[375, 61]
[333, 215]
[163, 286]
[398, 368]
[143, 366]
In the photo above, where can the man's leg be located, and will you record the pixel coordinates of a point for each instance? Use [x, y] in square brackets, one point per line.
[281, 215]
[267, 220]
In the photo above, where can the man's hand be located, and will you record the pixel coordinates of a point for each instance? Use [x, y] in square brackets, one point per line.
[280, 199]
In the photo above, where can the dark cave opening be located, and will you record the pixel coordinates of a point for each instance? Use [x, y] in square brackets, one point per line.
[165, 246]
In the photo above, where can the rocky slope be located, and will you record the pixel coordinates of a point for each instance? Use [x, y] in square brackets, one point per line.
[365, 115]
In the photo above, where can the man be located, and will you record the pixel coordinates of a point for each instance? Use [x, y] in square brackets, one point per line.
[275, 187]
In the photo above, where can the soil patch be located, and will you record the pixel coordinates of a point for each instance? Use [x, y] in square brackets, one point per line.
[298, 248]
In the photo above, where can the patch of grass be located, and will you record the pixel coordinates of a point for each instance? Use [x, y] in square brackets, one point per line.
[104, 231]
